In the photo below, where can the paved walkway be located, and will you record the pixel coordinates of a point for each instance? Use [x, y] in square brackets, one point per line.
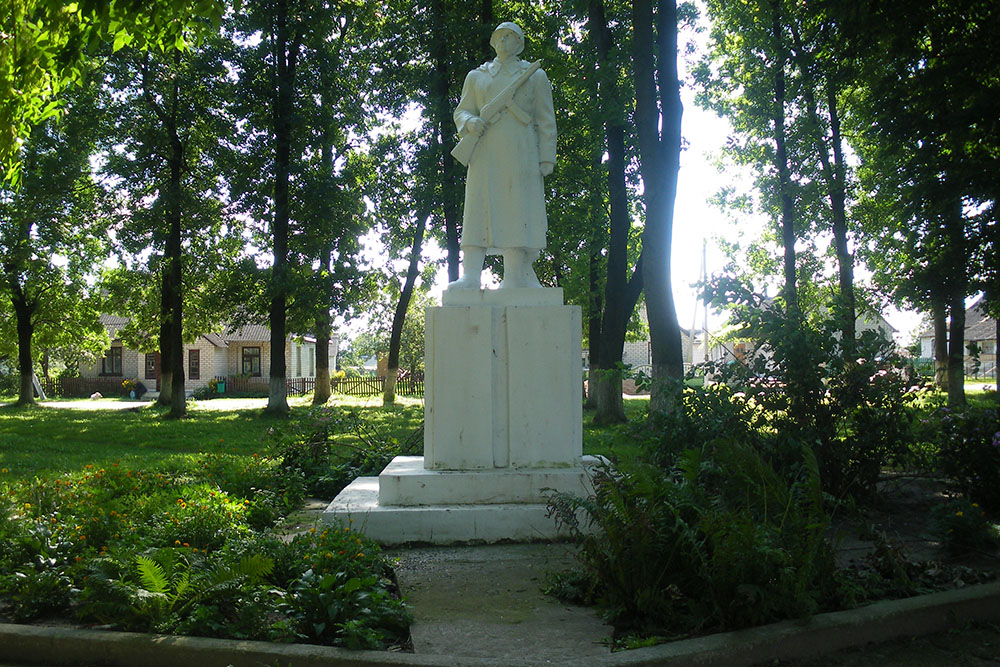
[486, 602]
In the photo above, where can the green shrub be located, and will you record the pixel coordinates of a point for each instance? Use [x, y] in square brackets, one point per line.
[852, 406]
[346, 596]
[970, 452]
[327, 461]
[963, 526]
[719, 540]
[180, 550]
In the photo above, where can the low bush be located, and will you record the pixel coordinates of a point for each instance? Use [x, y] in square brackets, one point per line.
[183, 550]
[328, 461]
[331, 587]
[851, 404]
[717, 540]
[963, 526]
[969, 452]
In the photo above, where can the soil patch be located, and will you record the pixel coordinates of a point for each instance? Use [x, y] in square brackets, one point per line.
[899, 524]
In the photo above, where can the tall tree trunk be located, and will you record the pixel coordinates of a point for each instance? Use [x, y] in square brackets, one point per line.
[838, 205]
[171, 361]
[398, 317]
[939, 313]
[165, 340]
[322, 391]
[178, 403]
[957, 254]
[834, 177]
[593, 321]
[286, 52]
[658, 123]
[781, 160]
[620, 293]
[25, 328]
[956, 350]
[444, 126]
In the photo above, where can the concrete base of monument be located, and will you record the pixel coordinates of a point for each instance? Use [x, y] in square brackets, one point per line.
[408, 504]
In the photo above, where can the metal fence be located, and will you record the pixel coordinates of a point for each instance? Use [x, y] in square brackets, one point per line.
[373, 386]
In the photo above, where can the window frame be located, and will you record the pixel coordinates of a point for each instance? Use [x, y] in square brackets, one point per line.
[114, 352]
[249, 354]
[194, 364]
[149, 371]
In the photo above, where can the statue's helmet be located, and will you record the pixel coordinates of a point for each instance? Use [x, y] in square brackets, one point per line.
[507, 25]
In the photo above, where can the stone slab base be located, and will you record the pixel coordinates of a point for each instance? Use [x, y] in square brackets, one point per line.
[357, 506]
[405, 481]
[407, 503]
[502, 385]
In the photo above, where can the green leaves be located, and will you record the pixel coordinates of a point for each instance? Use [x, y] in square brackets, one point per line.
[51, 44]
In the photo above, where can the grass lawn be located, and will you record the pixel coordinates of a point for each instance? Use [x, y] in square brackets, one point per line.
[617, 442]
[48, 441]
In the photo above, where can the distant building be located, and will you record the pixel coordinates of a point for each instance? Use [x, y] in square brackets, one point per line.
[980, 329]
[241, 352]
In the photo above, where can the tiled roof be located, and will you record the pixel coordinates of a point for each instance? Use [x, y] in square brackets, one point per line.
[113, 324]
[978, 325]
[250, 332]
[215, 339]
[255, 333]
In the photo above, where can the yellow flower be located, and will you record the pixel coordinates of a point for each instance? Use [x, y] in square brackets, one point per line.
[958, 513]
[3, 470]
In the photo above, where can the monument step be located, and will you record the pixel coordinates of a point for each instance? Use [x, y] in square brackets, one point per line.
[357, 508]
[406, 482]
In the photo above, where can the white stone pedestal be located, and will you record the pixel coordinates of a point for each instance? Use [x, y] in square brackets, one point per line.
[502, 426]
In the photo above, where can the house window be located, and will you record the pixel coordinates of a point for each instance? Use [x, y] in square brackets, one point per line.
[111, 364]
[194, 364]
[251, 361]
[988, 347]
[151, 366]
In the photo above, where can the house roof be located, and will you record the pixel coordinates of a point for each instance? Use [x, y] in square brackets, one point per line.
[113, 324]
[978, 324]
[251, 333]
[215, 339]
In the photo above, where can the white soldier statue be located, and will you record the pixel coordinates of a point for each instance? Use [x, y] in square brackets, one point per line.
[507, 128]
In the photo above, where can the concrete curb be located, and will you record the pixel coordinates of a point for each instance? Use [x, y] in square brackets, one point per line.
[828, 633]
[788, 640]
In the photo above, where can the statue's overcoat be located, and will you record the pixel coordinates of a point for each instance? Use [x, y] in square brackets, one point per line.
[504, 195]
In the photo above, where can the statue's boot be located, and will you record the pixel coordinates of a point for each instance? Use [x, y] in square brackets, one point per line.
[472, 268]
[517, 270]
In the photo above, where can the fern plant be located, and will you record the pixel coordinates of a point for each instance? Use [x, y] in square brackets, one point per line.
[170, 585]
[162, 587]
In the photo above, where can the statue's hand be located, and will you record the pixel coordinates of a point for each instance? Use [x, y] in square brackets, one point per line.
[546, 168]
[475, 126]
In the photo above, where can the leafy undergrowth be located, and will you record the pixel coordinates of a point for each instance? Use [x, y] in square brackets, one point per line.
[727, 513]
[186, 547]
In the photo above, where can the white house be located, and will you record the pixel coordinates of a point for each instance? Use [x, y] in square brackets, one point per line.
[980, 328]
[243, 352]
